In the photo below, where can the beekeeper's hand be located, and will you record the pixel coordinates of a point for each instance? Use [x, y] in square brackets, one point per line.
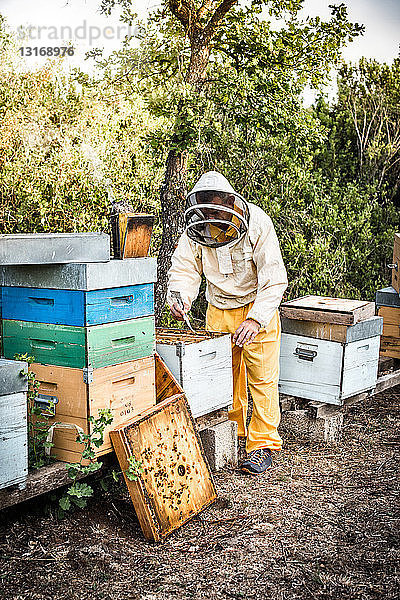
[178, 312]
[246, 332]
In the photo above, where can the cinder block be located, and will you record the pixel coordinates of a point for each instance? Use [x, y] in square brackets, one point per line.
[322, 423]
[220, 444]
[326, 429]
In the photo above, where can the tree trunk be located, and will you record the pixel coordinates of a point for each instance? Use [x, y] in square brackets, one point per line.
[173, 193]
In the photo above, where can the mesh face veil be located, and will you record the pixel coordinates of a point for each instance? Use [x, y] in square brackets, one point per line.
[215, 214]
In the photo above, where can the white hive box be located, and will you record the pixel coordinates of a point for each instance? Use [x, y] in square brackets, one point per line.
[53, 248]
[84, 276]
[13, 424]
[201, 362]
[329, 362]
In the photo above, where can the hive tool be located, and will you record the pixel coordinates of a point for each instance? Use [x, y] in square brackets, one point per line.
[177, 296]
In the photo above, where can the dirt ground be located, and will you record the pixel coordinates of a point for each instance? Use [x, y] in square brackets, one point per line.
[323, 523]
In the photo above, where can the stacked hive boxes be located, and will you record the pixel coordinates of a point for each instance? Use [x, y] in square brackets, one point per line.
[90, 327]
[329, 348]
[388, 307]
[13, 423]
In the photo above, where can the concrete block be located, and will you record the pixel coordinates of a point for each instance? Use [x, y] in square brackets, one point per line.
[220, 445]
[287, 402]
[326, 429]
[322, 423]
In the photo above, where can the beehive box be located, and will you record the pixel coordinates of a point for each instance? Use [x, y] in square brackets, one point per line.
[76, 307]
[324, 309]
[72, 395]
[387, 297]
[45, 248]
[13, 424]
[11, 379]
[201, 363]
[333, 332]
[85, 276]
[80, 347]
[396, 263]
[176, 483]
[131, 234]
[329, 361]
[388, 303]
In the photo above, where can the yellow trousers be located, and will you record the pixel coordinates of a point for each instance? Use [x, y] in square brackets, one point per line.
[260, 360]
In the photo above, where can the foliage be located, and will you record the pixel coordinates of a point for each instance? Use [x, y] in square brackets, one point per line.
[61, 142]
[38, 419]
[364, 126]
[135, 468]
[62, 136]
[78, 493]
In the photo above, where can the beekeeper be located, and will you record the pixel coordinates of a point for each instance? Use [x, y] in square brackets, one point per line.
[234, 244]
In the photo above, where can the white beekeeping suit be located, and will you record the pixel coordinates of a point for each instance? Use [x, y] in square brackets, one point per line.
[234, 245]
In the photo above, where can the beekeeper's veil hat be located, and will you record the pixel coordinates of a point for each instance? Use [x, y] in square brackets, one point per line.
[215, 214]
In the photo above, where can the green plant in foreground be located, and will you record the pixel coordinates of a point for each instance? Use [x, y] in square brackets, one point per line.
[79, 492]
[135, 469]
[38, 420]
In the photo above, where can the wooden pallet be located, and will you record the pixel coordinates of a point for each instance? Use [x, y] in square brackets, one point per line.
[39, 482]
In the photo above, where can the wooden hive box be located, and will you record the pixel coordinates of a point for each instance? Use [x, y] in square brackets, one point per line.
[77, 307]
[131, 234]
[332, 358]
[322, 309]
[127, 389]
[388, 304]
[396, 263]
[176, 482]
[201, 363]
[80, 347]
[166, 384]
[13, 424]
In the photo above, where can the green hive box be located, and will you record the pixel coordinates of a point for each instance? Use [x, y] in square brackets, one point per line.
[80, 347]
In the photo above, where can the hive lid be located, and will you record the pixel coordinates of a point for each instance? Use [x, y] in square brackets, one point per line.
[176, 482]
[324, 309]
[54, 248]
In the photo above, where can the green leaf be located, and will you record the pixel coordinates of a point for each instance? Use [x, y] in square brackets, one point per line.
[104, 485]
[65, 503]
[80, 502]
[80, 490]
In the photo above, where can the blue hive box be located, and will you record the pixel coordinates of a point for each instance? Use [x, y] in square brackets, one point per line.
[76, 307]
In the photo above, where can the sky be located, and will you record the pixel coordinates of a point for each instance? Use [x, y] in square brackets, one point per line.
[85, 28]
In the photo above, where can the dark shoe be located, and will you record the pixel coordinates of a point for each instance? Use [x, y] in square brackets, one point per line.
[241, 449]
[258, 461]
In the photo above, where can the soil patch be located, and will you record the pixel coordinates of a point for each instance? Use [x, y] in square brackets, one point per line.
[323, 523]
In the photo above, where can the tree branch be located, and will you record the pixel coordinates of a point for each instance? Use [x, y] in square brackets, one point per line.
[204, 9]
[217, 17]
[182, 10]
